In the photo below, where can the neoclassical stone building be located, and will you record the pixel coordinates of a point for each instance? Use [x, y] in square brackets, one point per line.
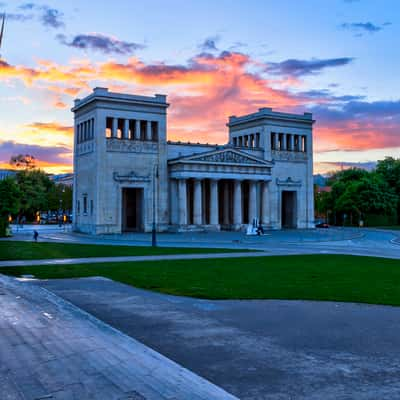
[127, 175]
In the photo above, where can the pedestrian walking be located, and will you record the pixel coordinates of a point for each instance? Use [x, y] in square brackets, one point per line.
[35, 235]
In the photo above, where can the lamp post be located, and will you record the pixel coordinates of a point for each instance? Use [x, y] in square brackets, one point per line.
[60, 209]
[153, 229]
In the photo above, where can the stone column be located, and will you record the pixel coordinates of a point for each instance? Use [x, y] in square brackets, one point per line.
[182, 202]
[173, 204]
[148, 130]
[226, 204]
[214, 214]
[252, 201]
[197, 203]
[237, 203]
[265, 206]
[114, 129]
[291, 142]
[276, 141]
[283, 141]
[137, 129]
[125, 134]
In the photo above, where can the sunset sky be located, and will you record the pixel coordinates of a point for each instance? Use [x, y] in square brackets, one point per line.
[338, 59]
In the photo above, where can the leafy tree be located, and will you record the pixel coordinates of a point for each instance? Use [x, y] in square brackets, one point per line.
[389, 170]
[370, 194]
[60, 196]
[9, 202]
[35, 187]
[23, 161]
[9, 197]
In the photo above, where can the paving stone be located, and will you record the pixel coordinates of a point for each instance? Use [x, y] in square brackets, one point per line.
[50, 349]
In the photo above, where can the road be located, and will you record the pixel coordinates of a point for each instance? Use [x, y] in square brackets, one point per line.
[366, 242]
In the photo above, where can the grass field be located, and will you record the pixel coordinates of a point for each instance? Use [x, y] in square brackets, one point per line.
[15, 250]
[308, 277]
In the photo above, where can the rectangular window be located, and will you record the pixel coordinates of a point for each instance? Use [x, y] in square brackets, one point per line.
[154, 131]
[273, 140]
[109, 123]
[85, 204]
[78, 207]
[91, 207]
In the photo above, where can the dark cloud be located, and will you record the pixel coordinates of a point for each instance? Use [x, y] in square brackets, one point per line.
[296, 68]
[99, 42]
[27, 6]
[18, 17]
[210, 44]
[326, 94]
[359, 110]
[51, 154]
[52, 18]
[49, 17]
[361, 27]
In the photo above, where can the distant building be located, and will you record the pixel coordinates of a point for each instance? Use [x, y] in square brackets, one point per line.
[128, 176]
[63, 179]
[5, 173]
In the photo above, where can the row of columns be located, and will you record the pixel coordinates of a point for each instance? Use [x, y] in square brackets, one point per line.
[198, 217]
[85, 130]
[288, 142]
[131, 129]
[251, 141]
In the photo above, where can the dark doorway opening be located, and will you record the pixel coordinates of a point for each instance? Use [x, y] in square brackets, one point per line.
[132, 215]
[289, 209]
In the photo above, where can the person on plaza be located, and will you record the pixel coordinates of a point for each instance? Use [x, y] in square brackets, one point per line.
[35, 235]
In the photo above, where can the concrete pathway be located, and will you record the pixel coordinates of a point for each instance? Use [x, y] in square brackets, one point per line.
[91, 260]
[50, 349]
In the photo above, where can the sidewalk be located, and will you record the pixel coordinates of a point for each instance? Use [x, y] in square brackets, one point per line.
[92, 260]
[50, 349]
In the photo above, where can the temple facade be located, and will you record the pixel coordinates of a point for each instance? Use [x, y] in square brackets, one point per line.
[128, 177]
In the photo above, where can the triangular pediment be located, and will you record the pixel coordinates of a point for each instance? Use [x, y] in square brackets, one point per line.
[228, 156]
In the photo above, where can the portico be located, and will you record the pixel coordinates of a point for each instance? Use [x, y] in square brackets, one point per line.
[223, 189]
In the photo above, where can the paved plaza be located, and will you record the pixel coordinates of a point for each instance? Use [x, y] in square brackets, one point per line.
[259, 349]
[50, 349]
[365, 242]
[120, 342]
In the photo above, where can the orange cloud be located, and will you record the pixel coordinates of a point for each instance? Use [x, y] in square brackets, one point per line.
[203, 92]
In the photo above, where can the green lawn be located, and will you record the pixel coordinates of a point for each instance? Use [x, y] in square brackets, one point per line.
[391, 227]
[14, 250]
[311, 277]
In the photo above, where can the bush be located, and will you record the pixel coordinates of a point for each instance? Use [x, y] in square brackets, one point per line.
[380, 220]
[3, 227]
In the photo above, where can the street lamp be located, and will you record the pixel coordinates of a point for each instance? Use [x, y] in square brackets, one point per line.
[153, 229]
[60, 209]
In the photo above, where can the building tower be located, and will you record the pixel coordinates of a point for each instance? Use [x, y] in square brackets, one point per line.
[120, 163]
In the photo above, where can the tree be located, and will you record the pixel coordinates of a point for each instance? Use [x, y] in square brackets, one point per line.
[35, 187]
[60, 196]
[9, 197]
[389, 170]
[368, 195]
[9, 202]
[22, 161]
